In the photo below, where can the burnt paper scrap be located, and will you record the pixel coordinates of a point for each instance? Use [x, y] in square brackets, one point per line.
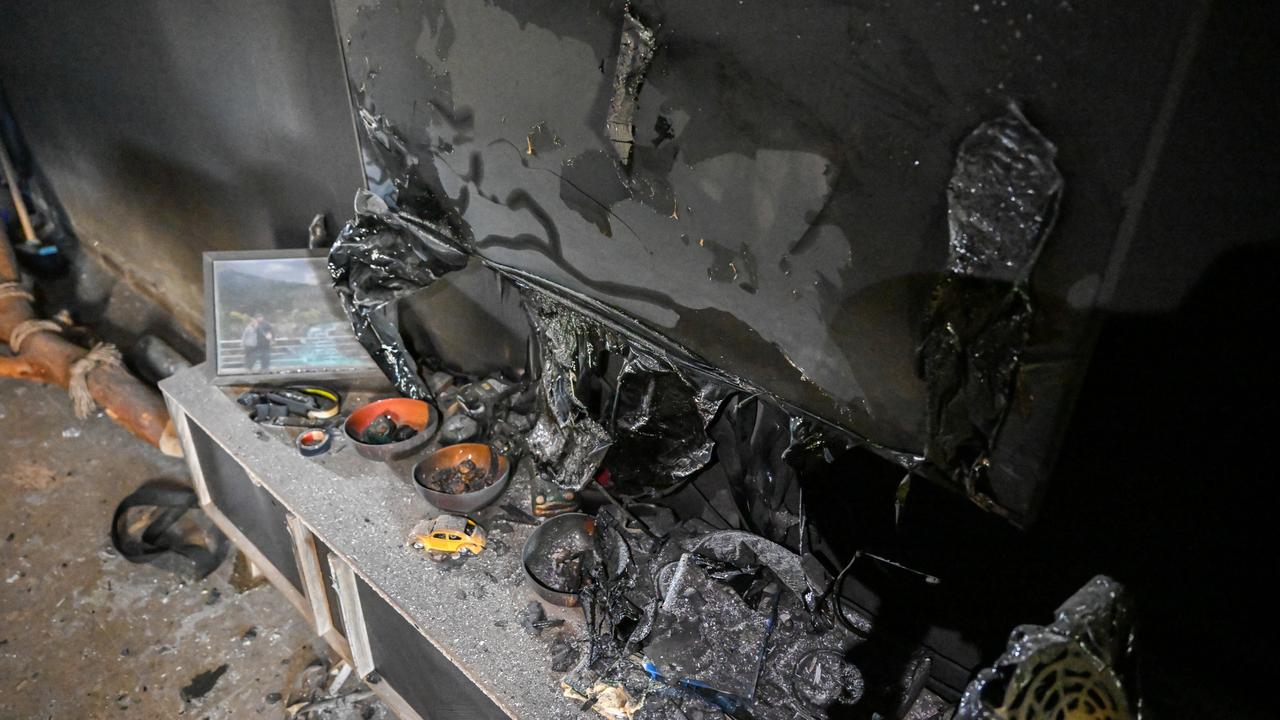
[1001, 202]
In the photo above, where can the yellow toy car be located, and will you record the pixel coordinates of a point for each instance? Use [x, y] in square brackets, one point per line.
[448, 536]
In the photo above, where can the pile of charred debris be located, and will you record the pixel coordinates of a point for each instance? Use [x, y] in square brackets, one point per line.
[733, 606]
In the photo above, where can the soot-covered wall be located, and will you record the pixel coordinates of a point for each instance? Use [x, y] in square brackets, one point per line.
[167, 129]
[782, 209]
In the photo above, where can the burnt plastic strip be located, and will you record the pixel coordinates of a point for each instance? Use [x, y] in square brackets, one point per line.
[1002, 200]
[380, 257]
[635, 52]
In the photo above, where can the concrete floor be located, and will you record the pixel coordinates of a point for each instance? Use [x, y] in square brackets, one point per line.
[86, 634]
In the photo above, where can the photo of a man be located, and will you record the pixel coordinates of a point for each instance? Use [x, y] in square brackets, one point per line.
[257, 339]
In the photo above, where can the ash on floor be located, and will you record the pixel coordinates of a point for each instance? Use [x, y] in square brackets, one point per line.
[83, 633]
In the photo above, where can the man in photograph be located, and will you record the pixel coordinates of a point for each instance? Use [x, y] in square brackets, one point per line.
[257, 339]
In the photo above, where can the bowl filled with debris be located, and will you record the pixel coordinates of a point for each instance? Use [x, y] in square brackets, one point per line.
[559, 555]
[462, 477]
[391, 429]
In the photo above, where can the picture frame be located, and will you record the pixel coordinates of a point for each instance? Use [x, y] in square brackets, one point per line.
[273, 316]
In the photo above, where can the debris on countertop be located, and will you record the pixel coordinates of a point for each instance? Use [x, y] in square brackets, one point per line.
[461, 478]
[611, 701]
[564, 654]
[705, 632]
[458, 428]
[534, 618]
[622, 587]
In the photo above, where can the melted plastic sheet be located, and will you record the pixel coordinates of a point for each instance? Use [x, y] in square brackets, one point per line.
[765, 452]
[651, 418]
[1001, 199]
[568, 442]
[709, 622]
[380, 257]
[1081, 664]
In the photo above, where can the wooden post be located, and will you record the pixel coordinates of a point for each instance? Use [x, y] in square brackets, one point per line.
[47, 357]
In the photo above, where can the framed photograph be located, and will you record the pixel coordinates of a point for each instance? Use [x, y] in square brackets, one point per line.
[273, 315]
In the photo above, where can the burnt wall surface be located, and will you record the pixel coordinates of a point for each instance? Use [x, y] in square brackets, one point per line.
[168, 129]
[779, 205]
[781, 208]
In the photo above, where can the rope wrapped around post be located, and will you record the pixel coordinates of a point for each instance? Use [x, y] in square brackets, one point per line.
[30, 327]
[15, 289]
[102, 354]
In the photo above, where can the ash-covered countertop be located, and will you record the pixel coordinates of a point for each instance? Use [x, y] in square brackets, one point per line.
[364, 511]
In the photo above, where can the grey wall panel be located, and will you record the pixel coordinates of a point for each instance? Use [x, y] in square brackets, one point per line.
[171, 128]
[249, 507]
[424, 677]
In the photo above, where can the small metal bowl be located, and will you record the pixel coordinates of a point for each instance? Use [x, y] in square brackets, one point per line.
[571, 531]
[484, 456]
[405, 411]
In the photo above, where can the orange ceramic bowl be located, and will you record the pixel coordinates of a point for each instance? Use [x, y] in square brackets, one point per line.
[415, 413]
